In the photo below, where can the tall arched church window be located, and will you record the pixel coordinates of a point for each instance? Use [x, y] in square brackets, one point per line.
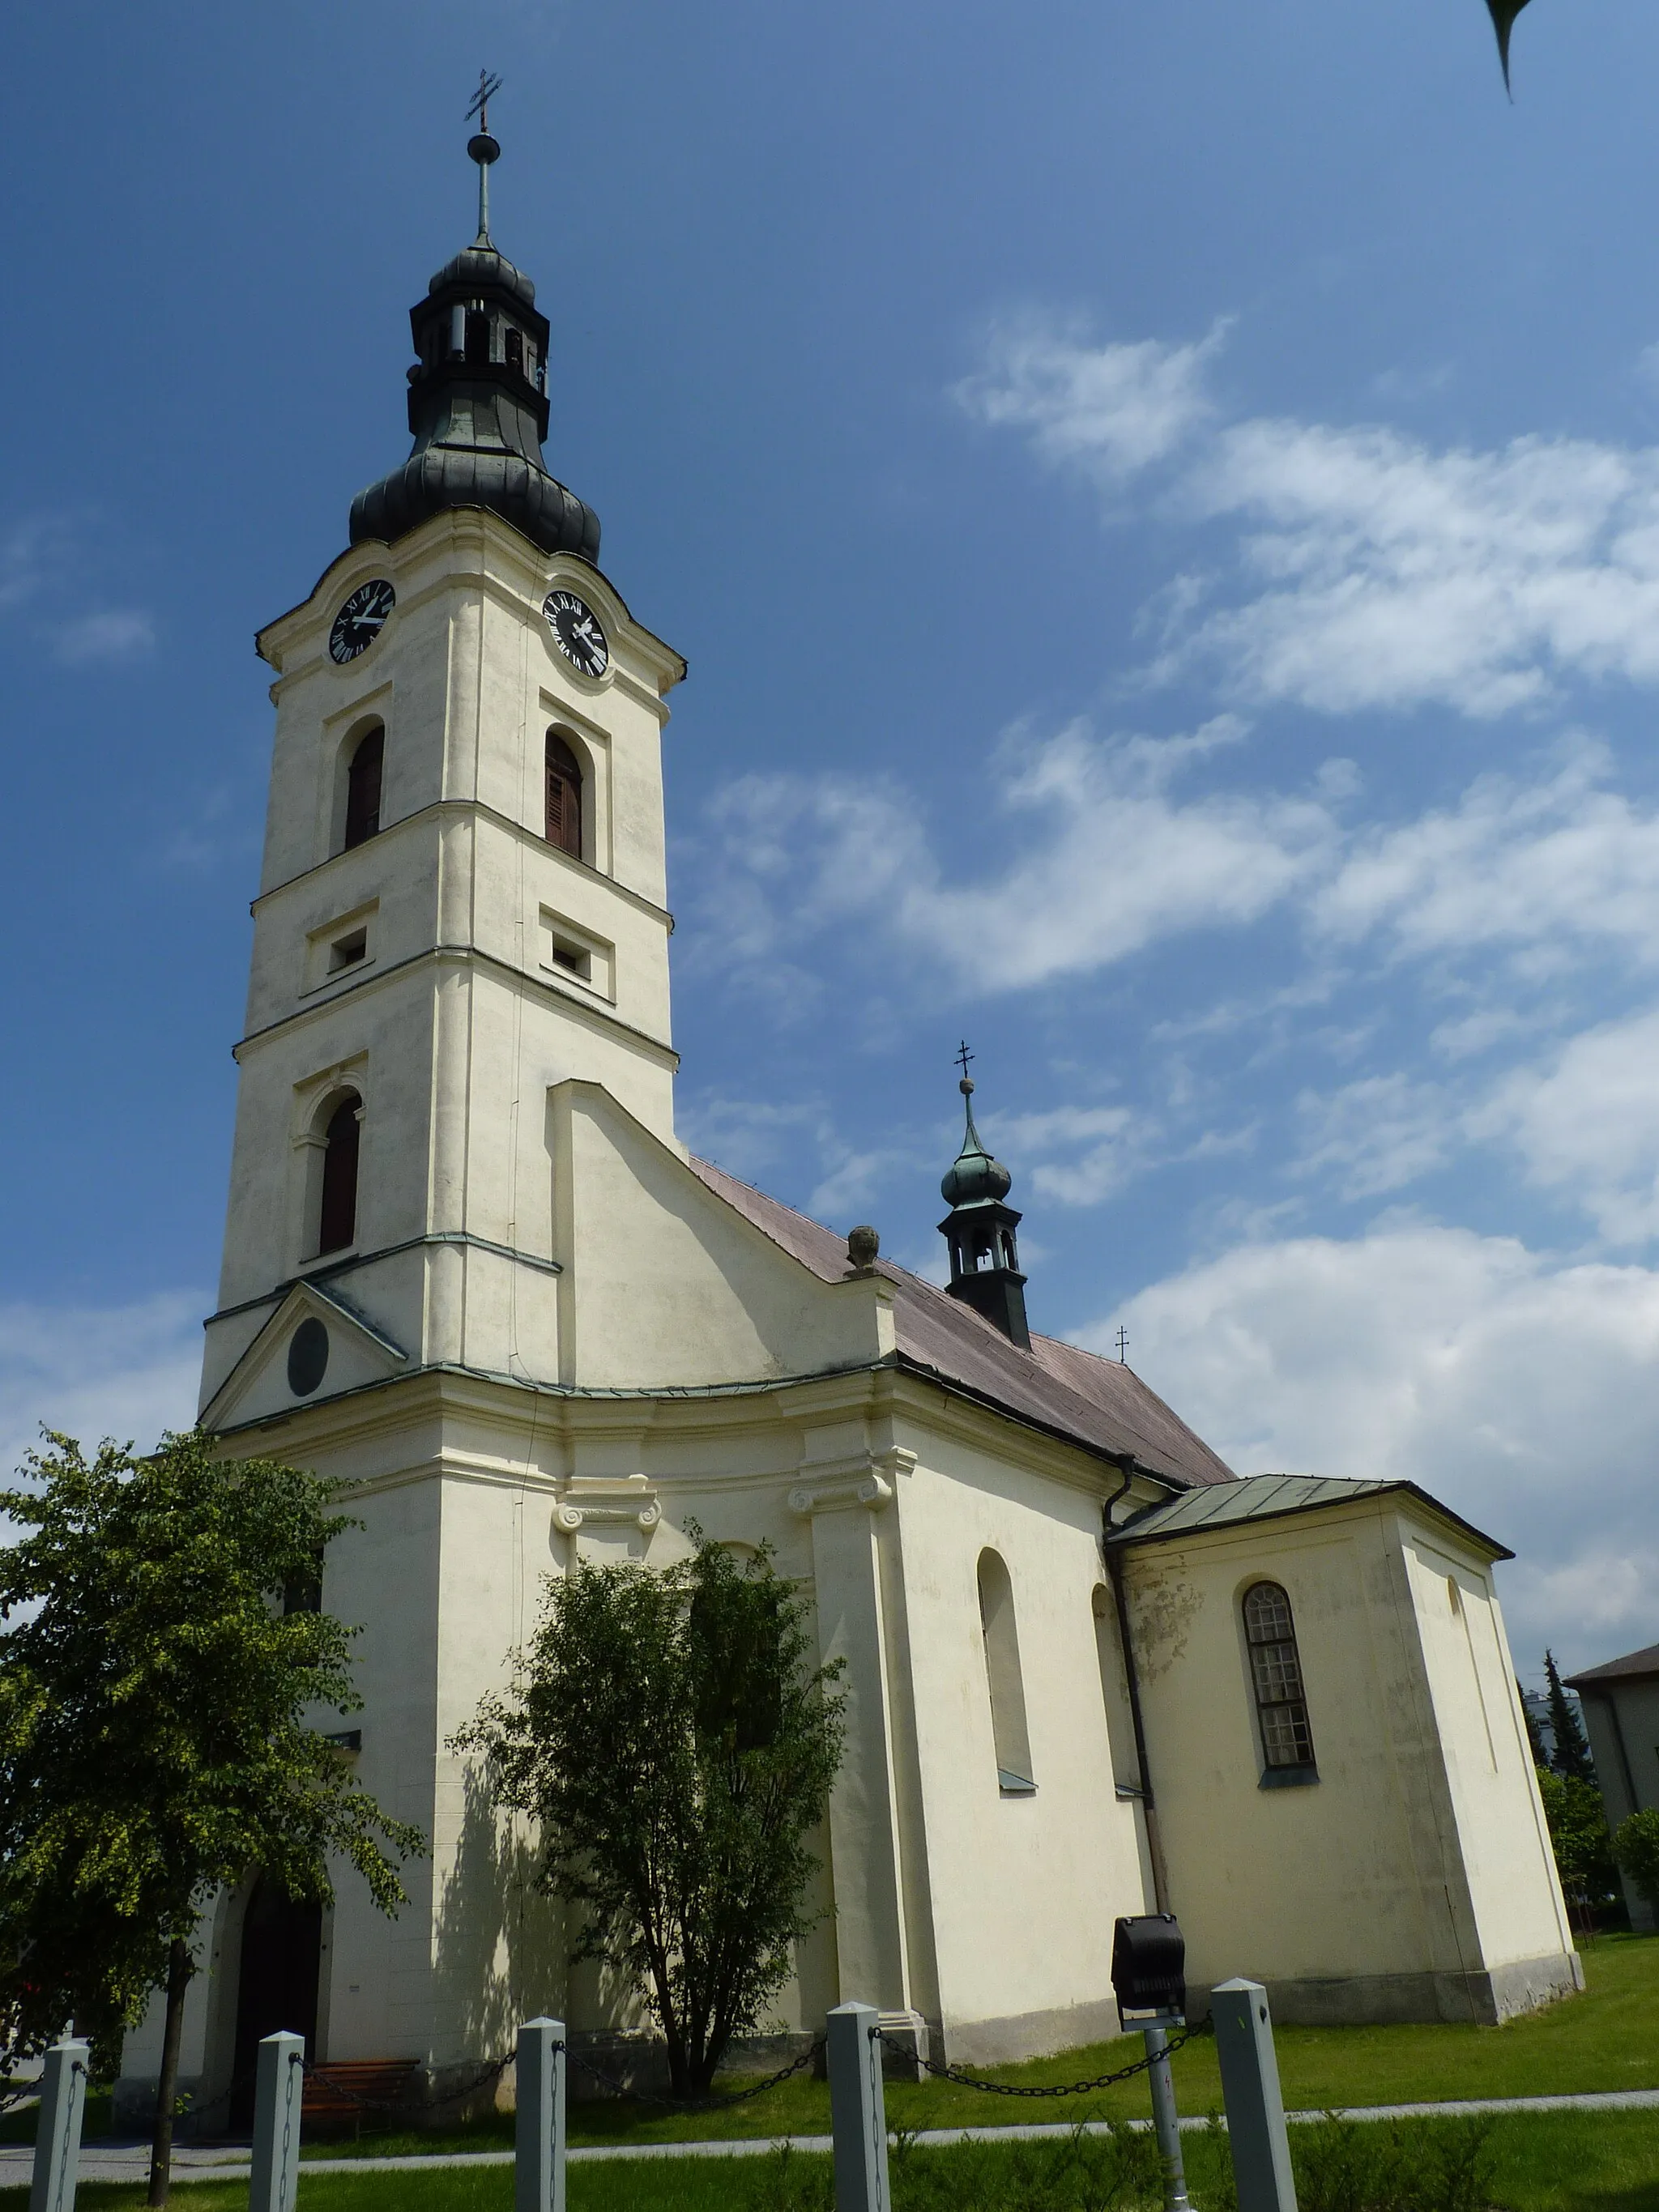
[1276, 1678]
[336, 1224]
[362, 815]
[564, 796]
[1001, 1637]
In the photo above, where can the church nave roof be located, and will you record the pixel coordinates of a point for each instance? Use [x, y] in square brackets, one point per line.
[1098, 1403]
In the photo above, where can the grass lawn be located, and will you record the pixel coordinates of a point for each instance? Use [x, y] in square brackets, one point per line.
[1543, 2162]
[1608, 2039]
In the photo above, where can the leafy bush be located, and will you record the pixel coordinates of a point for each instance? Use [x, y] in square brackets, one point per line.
[1578, 1830]
[1636, 1847]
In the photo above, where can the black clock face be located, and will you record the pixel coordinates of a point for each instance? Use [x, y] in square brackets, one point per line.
[360, 620]
[576, 632]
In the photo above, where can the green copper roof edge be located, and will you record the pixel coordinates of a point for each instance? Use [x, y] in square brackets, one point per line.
[1139, 1531]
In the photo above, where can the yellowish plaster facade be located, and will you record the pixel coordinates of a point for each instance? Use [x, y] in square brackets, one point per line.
[553, 1336]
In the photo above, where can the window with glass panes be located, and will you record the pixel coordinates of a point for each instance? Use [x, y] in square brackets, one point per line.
[1276, 1677]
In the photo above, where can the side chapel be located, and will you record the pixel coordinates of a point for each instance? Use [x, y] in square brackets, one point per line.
[471, 1270]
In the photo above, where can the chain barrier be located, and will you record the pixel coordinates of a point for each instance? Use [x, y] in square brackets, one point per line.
[696, 2103]
[911, 2055]
[491, 2071]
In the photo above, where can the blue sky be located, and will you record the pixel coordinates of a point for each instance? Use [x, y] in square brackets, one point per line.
[1162, 508]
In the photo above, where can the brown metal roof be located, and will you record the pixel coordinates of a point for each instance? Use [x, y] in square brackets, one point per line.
[1632, 1668]
[1095, 1402]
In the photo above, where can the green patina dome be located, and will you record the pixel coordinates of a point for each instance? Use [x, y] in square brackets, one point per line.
[973, 1177]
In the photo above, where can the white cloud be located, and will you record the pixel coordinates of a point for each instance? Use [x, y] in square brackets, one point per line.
[1381, 573]
[1546, 864]
[114, 634]
[1377, 1134]
[1586, 1124]
[1371, 569]
[1523, 1392]
[1076, 1155]
[1108, 411]
[1110, 860]
[121, 1371]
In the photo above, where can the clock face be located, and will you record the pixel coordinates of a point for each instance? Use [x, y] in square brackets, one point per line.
[577, 633]
[360, 620]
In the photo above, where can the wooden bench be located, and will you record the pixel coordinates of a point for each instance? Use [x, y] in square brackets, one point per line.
[353, 2089]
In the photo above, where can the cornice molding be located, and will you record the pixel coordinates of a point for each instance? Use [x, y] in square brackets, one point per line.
[602, 1501]
[866, 1479]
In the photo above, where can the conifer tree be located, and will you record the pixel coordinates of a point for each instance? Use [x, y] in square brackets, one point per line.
[1572, 1753]
[1535, 1744]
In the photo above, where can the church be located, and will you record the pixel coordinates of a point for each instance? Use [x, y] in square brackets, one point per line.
[471, 1273]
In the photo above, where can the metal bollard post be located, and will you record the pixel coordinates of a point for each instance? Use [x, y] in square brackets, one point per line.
[1249, 2089]
[279, 2092]
[1166, 2122]
[58, 2129]
[858, 2113]
[538, 2133]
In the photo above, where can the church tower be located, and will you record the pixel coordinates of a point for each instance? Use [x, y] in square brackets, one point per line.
[979, 1229]
[461, 904]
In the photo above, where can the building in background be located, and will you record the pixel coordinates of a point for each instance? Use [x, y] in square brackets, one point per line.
[471, 1272]
[1620, 1705]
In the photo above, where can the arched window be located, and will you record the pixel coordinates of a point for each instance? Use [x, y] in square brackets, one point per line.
[996, 1621]
[1276, 1677]
[362, 815]
[564, 796]
[338, 1216]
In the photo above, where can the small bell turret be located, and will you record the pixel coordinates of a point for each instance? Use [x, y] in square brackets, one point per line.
[979, 1229]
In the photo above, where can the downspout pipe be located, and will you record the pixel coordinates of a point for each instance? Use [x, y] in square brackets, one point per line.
[1113, 1558]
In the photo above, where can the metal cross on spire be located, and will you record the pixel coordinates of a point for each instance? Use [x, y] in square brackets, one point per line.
[1122, 1346]
[963, 1058]
[482, 147]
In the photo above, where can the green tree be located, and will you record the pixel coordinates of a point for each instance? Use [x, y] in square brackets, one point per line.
[1578, 1831]
[670, 1734]
[1572, 1756]
[1503, 13]
[1636, 1847]
[1535, 1743]
[154, 1738]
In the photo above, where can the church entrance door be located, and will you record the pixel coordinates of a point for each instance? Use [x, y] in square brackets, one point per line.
[281, 1952]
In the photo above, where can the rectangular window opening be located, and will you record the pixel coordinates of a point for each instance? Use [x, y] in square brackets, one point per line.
[575, 959]
[346, 952]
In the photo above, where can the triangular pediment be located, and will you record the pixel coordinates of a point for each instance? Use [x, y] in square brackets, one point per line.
[313, 1347]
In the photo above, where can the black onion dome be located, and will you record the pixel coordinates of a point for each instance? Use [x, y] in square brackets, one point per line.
[477, 266]
[478, 413]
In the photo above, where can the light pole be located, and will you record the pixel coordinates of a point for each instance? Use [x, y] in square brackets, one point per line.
[1149, 1978]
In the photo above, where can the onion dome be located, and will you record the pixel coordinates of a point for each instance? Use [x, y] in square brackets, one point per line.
[477, 405]
[974, 1177]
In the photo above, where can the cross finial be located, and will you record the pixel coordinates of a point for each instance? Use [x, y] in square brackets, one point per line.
[489, 86]
[482, 147]
[964, 1056]
[1122, 1346]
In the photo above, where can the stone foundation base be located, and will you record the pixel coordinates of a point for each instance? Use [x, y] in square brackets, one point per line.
[1485, 1996]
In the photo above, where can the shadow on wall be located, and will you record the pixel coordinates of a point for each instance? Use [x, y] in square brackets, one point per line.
[501, 1943]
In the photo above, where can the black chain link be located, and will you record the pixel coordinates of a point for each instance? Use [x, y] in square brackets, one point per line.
[697, 2103]
[908, 2052]
[490, 2072]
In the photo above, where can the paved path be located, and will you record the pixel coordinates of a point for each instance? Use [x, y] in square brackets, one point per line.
[130, 2160]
